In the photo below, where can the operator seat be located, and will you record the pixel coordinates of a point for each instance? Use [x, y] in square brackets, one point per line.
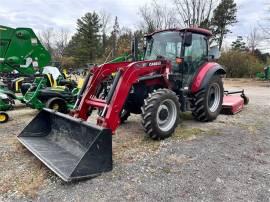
[48, 93]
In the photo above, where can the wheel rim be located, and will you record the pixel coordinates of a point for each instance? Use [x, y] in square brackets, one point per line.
[166, 115]
[2, 117]
[214, 97]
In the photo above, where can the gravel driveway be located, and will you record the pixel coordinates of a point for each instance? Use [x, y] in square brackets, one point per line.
[226, 160]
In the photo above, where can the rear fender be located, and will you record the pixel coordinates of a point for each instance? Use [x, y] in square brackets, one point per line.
[205, 74]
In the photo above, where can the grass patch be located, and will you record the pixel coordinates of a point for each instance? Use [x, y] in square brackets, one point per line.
[128, 147]
[186, 133]
[252, 128]
[189, 133]
[213, 132]
[186, 116]
[23, 175]
[24, 183]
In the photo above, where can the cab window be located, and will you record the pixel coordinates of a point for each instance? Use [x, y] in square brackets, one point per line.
[197, 52]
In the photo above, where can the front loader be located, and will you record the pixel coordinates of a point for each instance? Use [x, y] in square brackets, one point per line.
[175, 76]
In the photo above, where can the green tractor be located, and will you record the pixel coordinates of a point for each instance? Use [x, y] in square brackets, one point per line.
[50, 90]
[58, 98]
[6, 103]
[21, 55]
[21, 50]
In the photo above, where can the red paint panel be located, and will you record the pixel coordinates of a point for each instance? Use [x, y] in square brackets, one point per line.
[191, 29]
[200, 76]
[232, 104]
[96, 102]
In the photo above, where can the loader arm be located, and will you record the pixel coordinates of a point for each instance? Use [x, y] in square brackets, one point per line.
[127, 75]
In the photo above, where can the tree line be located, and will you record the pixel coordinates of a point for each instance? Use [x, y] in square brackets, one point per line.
[99, 36]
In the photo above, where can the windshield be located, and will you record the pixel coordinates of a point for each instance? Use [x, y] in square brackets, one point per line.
[165, 44]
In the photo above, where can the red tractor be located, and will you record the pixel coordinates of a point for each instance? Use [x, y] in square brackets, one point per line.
[175, 76]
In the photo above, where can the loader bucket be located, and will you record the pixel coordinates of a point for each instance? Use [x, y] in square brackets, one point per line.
[71, 148]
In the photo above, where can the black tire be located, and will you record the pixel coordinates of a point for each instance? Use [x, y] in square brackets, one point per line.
[25, 87]
[202, 111]
[4, 117]
[154, 112]
[124, 115]
[57, 104]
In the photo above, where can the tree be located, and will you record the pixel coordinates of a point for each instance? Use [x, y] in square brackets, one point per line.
[68, 62]
[254, 39]
[195, 12]
[263, 57]
[124, 41]
[224, 16]
[61, 42]
[105, 19]
[239, 44]
[157, 16]
[240, 64]
[85, 45]
[265, 23]
[115, 33]
[47, 38]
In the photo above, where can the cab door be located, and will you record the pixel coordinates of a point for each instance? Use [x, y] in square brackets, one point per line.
[195, 56]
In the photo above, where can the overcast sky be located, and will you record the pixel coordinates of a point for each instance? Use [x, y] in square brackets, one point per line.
[40, 15]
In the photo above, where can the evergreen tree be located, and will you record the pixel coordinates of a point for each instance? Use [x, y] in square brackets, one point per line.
[115, 33]
[239, 44]
[224, 16]
[86, 45]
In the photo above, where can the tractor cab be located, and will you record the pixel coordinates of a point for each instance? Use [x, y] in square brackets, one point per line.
[186, 49]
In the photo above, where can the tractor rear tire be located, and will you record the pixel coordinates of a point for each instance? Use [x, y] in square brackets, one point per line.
[4, 117]
[207, 103]
[57, 104]
[160, 114]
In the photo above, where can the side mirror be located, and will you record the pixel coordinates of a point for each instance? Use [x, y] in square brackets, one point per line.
[214, 53]
[188, 39]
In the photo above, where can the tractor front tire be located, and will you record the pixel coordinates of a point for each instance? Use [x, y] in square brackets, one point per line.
[160, 114]
[207, 103]
[4, 117]
[57, 104]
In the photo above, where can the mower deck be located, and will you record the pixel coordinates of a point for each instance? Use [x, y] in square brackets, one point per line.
[232, 104]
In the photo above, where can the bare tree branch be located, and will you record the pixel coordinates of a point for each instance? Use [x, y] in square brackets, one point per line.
[61, 42]
[47, 38]
[157, 16]
[194, 12]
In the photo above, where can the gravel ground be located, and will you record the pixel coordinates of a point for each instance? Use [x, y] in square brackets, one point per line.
[226, 160]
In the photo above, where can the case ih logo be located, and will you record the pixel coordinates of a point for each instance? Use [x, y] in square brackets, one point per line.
[154, 63]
